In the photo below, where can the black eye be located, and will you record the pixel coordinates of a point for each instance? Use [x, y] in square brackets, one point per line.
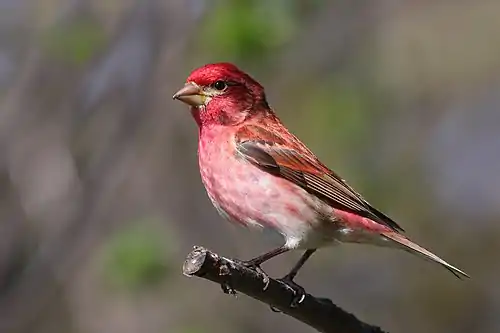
[220, 85]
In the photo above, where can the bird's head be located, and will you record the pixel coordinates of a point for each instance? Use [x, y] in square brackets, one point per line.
[222, 94]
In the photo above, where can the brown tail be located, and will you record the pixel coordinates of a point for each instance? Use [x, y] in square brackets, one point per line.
[411, 247]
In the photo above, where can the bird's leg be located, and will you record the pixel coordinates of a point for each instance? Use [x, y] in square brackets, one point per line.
[257, 261]
[265, 257]
[295, 269]
[299, 292]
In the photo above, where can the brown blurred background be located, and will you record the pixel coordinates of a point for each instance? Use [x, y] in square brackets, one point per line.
[100, 197]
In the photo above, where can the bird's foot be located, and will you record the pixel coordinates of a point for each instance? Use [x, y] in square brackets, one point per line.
[227, 288]
[263, 275]
[226, 285]
[298, 291]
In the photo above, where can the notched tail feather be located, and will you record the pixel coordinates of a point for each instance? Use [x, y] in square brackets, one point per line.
[416, 249]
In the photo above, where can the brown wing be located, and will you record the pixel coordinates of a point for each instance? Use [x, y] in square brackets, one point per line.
[309, 174]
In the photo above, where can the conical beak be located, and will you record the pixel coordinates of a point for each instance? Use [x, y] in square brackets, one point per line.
[191, 94]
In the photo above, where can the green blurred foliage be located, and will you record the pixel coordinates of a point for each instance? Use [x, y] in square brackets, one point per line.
[138, 257]
[336, 114]
[76, 42]
[244, 29]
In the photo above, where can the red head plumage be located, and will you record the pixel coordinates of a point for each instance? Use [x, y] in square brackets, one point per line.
[228, 95]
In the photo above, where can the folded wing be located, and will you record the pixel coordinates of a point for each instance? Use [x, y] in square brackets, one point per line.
[307, 172]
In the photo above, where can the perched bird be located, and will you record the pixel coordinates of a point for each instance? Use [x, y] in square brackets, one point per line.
[258, 174]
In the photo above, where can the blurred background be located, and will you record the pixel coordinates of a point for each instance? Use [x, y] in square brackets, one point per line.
[100, 196]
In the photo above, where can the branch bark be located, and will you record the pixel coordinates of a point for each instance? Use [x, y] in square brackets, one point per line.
[319, 313]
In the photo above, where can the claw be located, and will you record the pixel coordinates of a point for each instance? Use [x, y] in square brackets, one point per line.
[299, 292]
[227, 288]
[259, 270]
[264, 276]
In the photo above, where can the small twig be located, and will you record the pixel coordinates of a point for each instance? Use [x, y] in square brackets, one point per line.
[319, 313]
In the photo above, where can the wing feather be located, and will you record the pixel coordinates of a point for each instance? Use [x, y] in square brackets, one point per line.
[301, 167]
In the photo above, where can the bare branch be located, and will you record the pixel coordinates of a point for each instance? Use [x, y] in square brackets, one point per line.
[319, 313]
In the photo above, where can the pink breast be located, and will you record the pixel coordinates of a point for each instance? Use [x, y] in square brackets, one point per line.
[249, 195]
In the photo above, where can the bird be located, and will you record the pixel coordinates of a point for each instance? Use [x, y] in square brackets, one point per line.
[259, 175]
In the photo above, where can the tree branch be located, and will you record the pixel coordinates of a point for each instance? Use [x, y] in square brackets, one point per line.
[319, 313]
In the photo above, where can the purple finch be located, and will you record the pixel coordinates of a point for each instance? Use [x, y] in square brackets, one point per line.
[258, 174]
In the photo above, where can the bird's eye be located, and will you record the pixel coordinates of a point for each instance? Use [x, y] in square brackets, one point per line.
[220, 85]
